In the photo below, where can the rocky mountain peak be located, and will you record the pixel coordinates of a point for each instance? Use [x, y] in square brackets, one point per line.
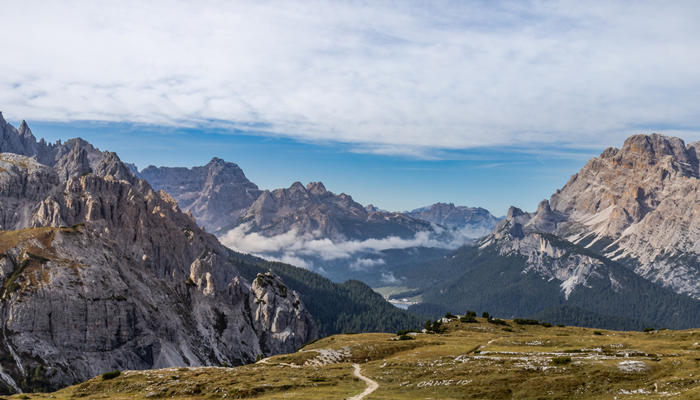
[111, 165]
[218, 167]
[297, 187]
[655, 145]
[643, 151]
[371, 208]
[543, 208]
[316, 188]
[216, 161]
[637, 205]
[545, 220]
[514, 212]
[13, 141]
[216, 193]
[24, 131]
[75, 162]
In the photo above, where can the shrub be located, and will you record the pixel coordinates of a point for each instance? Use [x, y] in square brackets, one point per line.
[507, 329]
[497, 321]
[406, 337]
[470, 313]
[560, 325]
[599, 333]
[435, 327]
[450, 316]
[546, 324]
[110, 375]
[468, 318]
[649, 329]
[220, 322]
[561, 360]
[485, 315]
[521, 321]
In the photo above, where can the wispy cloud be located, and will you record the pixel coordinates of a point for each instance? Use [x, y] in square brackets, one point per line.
[387, 77]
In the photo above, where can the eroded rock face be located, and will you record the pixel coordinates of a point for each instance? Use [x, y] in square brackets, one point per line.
[101, 272]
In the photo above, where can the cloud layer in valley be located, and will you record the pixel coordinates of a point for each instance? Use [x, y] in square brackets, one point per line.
[301, 249]
[386, 77]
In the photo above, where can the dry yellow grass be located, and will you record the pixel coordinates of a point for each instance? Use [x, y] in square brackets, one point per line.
[470, 360]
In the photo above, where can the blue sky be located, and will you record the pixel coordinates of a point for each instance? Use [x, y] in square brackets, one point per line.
[399, 103]
[493, 178]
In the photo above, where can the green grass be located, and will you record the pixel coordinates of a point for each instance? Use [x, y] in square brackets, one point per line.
[475, 360]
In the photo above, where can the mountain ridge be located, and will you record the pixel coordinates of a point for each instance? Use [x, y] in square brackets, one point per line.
[580, 241]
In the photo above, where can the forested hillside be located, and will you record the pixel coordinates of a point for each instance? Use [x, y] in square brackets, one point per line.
[338, 307]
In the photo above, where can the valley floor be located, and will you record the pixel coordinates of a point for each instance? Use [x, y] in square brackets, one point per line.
[469, 360]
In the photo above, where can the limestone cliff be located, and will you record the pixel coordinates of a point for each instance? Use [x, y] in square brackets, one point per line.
[101, 272]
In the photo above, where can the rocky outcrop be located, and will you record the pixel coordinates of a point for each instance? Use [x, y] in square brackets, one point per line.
[216, 194]
[101, 272]
[20, 141]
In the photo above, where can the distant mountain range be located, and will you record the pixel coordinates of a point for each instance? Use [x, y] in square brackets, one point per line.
[620, 239]
[313, 227]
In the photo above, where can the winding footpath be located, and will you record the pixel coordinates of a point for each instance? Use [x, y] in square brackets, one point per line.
[371, 384]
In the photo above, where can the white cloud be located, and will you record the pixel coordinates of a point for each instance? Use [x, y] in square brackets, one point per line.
[362, 264]
[294, 245]
[389, 278]
[296, 249]
[387, 77]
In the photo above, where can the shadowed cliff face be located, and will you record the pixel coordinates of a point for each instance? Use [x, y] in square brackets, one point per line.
[101, 272]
